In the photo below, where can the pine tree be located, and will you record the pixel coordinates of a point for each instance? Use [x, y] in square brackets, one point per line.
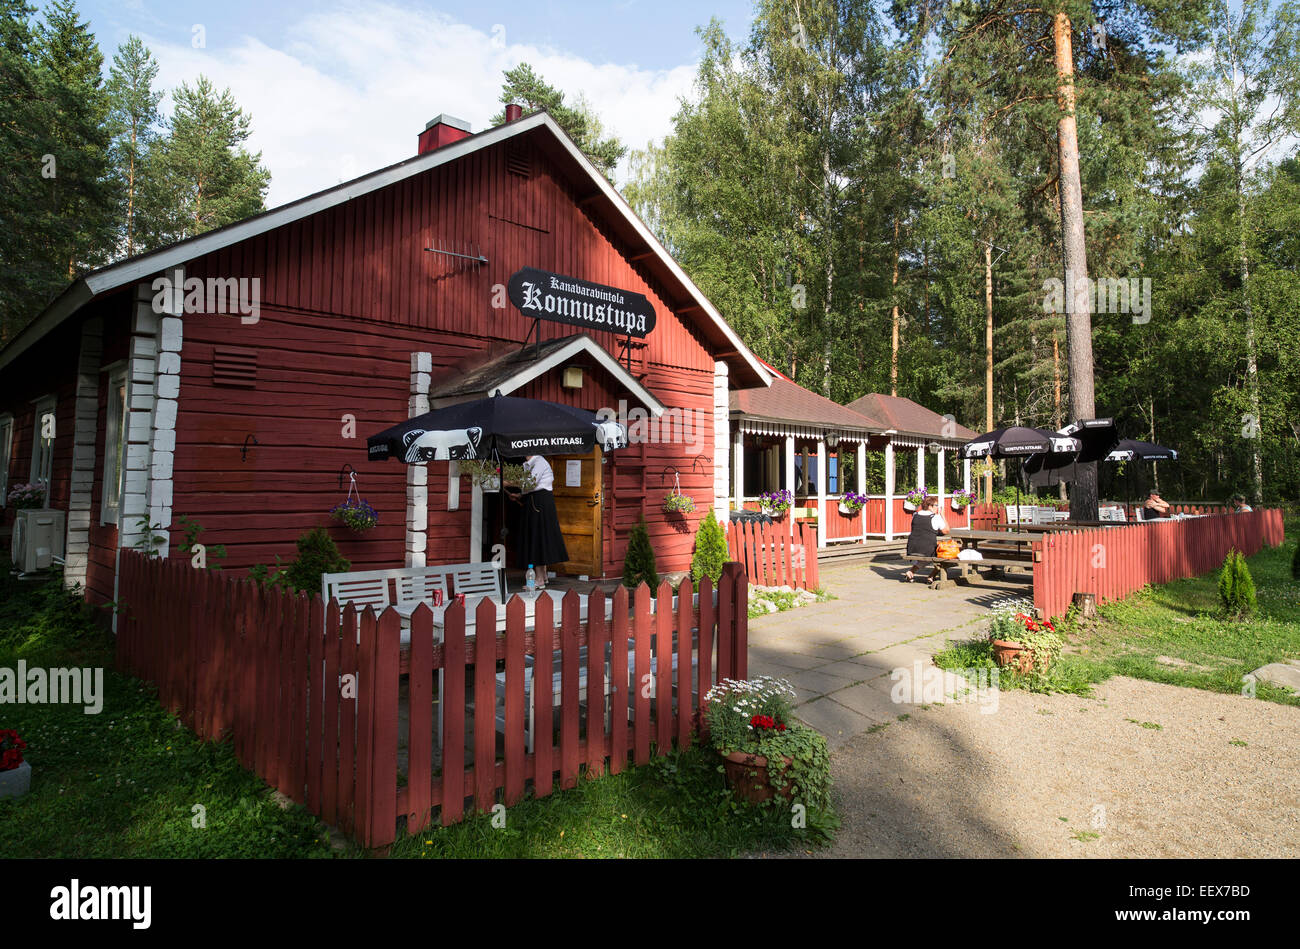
[639, 563]
[79, 197]
[133, 122]
[525, 88]
[209, 176]
[24, 284]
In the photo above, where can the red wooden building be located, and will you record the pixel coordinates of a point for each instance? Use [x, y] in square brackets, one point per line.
[239, 400]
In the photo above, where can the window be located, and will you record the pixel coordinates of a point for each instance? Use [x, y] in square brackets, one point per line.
[43, 435]
[6, 450]
[110, 502]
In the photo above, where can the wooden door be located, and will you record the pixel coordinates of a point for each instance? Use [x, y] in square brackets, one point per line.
[579, 508]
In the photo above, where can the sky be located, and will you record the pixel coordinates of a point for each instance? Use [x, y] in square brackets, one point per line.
[338, 88]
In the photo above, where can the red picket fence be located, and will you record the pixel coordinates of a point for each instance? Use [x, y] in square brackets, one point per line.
[777, 554]
[985, 517]
[309, 694]
[1112, 562]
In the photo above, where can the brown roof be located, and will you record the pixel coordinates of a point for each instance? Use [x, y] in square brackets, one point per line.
[907, 417]
[787, 401]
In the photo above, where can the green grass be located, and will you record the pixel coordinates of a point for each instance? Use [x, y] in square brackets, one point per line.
[1173, 633]
[677, 806]
[125, 782]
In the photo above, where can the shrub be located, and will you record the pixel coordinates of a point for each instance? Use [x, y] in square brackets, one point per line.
[317, 555]
[710, 549]
[1236, 588]
[639, 564]
[215, 553]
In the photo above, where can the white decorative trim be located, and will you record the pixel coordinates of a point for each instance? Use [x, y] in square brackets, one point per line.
[721, 429]
[756, 426]
[86, 421]
[417, 476]
[582, 344]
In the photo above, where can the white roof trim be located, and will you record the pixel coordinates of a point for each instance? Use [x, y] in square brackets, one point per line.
[145, 265]
[568, 351]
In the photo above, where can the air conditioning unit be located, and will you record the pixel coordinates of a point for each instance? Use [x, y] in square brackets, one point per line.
[38, 538]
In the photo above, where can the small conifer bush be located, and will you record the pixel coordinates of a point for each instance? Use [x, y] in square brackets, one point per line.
[639, 564]
[710, 549]
[1236, 588]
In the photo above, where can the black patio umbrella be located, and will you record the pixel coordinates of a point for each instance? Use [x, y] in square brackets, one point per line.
[495, 427]
[1130, 449]
[1097, 436]
[1018, 441]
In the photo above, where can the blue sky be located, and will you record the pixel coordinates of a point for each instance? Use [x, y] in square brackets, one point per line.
[337, 88]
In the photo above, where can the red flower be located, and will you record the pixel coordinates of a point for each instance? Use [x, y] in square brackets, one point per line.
[766, 721]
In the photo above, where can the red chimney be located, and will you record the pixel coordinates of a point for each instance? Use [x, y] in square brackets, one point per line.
[443, 130]
[514, 112]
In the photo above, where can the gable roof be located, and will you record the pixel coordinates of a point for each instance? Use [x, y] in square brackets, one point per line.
[745, 367]
[787, 401]
[509, 371]
[908, 418]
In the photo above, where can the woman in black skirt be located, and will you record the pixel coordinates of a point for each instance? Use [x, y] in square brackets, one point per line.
[927, 525]
[540, 539]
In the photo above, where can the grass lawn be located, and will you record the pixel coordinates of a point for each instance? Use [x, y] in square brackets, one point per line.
[1174, 634]
[126, 782]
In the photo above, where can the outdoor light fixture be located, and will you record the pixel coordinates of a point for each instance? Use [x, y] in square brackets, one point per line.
[572, 377]
[832, 440]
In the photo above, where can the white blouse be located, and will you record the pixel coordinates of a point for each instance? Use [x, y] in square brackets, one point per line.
[540, 469]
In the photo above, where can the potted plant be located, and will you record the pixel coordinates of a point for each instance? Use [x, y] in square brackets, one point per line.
[675, 503]
[775, 503]
[23, 496]
[751, 728]
[852, 502]
[356, 513]
[962, 499]
[914, 499]
[482, 472]
[1020, 640]
[15, 773]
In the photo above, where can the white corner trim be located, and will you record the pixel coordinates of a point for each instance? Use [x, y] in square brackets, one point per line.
[417, 476]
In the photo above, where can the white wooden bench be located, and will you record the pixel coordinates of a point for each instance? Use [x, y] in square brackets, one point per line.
[413, 585]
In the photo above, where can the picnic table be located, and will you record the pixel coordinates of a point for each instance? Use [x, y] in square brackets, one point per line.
[1010, 555]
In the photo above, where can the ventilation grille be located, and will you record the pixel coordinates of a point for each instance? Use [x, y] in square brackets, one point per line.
[234, 367]
[518, 162]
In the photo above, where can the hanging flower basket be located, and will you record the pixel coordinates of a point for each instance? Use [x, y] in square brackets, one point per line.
[914, 499]
[775, 503]
[852, 502]
[675, 503]
[961, 500]
[356, 513]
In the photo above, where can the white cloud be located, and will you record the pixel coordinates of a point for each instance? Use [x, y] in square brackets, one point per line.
[349, 89]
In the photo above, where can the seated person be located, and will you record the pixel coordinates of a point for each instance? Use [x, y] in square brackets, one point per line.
[927, 525]
[1156, 507]
[1239, 505]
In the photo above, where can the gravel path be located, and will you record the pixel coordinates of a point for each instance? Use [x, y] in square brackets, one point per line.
[950, 781]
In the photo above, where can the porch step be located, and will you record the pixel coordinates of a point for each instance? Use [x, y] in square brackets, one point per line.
[852, 553]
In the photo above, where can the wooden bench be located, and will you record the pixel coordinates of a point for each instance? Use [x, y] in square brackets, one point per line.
[413, 585]
[1006, 565]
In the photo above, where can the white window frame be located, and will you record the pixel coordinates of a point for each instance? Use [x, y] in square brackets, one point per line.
[110, 498]
[43, 453]
[6, 453]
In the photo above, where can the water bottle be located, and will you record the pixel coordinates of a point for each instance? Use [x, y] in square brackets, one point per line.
[530, 581]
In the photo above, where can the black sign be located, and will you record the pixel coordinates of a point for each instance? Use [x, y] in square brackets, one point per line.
[550, 296]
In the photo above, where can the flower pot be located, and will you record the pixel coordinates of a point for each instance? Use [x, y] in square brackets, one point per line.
[747, 776]
[909, 506]
[958, 507]
[16, 781]
[1013, 654]
[845, 509]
